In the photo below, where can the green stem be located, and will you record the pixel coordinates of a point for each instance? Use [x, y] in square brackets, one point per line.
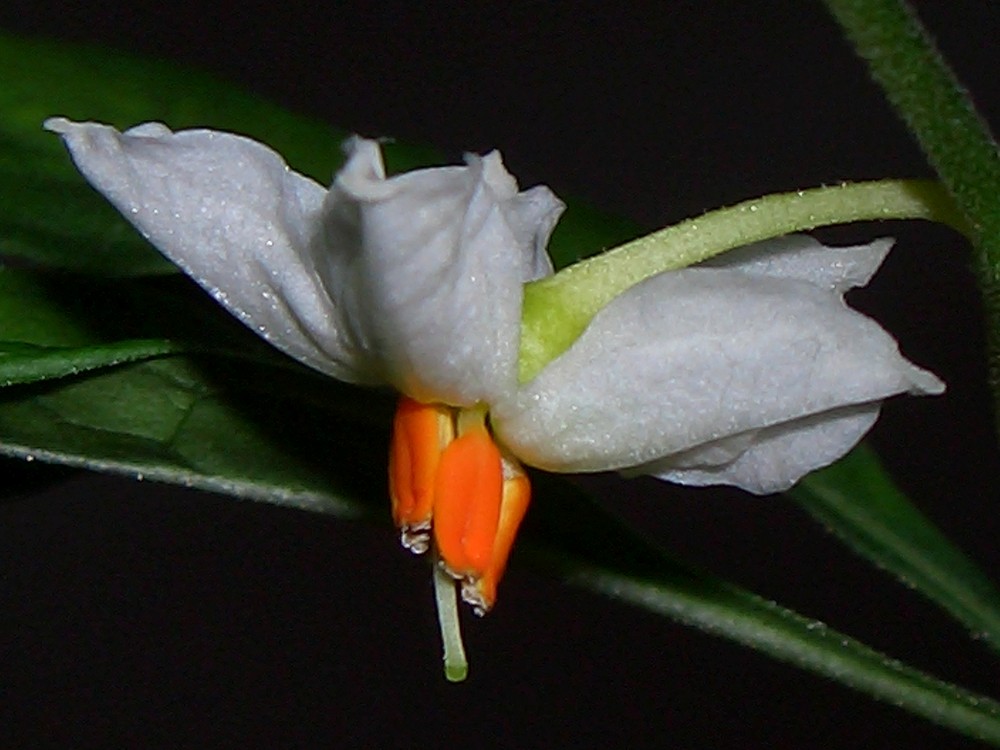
[926, 94]
[557, 309]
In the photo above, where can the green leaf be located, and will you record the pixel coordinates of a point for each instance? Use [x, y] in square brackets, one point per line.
[582, 544]
[40, 338]
[26, 363]
[858, 502]
[54, 325]
[281, 436]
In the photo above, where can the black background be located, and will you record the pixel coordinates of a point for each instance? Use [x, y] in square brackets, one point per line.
[141, 615]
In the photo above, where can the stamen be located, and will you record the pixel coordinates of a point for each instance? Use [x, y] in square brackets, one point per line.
[416, 537]
[448, 479]
[456, 667]
[481, 593]
[419, 433]
[467, 497]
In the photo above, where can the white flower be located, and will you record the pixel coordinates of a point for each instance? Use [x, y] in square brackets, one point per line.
[749, 370]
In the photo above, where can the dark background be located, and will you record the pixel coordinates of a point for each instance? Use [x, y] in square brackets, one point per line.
[142, 615]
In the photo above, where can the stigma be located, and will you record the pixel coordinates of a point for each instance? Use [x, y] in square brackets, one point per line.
[455, 491]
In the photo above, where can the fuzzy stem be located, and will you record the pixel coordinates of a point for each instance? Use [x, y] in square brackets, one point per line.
[557, 309]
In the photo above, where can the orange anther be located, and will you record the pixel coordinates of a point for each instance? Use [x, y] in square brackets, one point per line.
[467, 499]
[458, 488]
[419, 433]
[482, 593]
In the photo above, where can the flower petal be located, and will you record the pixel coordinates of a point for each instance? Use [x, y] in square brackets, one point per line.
[230, 212]
[799, 256]
[414, 280]
[433, 290]
[775, 457]
[713, 366]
